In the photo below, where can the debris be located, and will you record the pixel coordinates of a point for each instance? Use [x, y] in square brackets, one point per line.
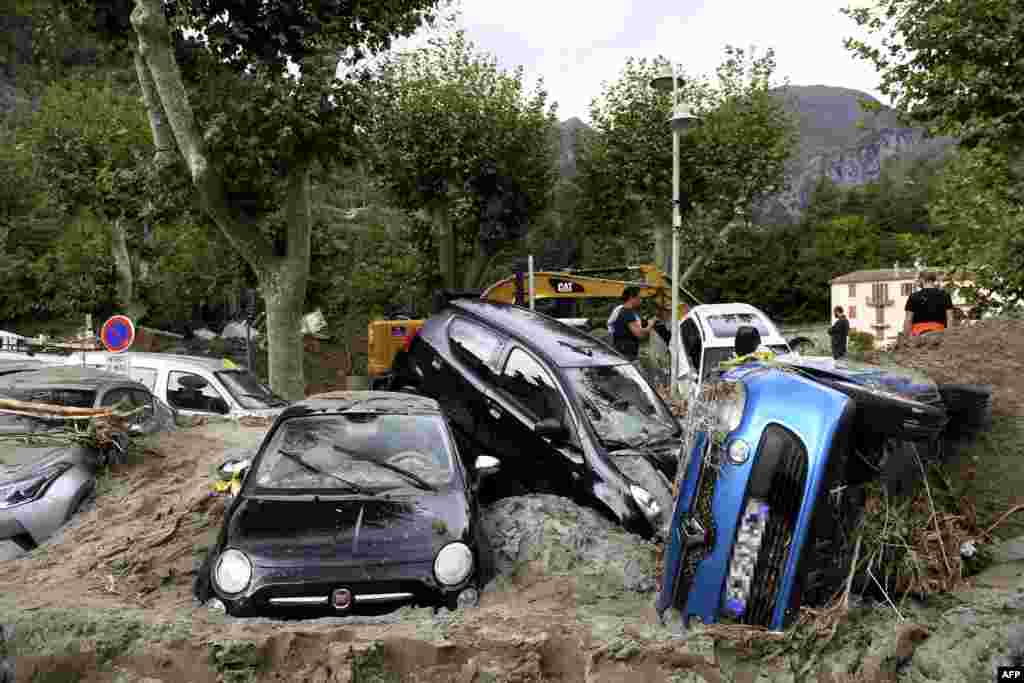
[968, 549]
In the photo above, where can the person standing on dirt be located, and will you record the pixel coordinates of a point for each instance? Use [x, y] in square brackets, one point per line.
[625, 325]
[929, 309]
[839, 333]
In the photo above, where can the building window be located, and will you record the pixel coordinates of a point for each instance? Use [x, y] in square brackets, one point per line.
[851, 312]
[853, 290]
[880, 294]
[906, 288]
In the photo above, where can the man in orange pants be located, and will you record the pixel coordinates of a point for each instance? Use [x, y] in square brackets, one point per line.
[929, 309]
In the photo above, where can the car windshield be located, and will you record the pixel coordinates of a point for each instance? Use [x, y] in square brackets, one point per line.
[248, 390]
[726, 325]
[622, 407]
[356, 453]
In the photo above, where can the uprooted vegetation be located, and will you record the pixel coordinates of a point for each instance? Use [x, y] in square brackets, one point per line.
[111, 597]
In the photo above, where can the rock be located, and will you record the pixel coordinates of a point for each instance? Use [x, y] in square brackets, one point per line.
[568, 539]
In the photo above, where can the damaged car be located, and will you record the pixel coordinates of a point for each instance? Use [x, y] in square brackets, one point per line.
[354, 501]
[777, 453]
[42, 486]
[563, 412]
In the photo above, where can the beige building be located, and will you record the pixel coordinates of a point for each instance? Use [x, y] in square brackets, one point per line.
[875, 300]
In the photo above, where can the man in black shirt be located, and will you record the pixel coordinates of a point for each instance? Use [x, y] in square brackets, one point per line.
[839, 332]
[627, 329]
[929, 309]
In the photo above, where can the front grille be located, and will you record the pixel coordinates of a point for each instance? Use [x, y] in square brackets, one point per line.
[700, 511]
[784, 497]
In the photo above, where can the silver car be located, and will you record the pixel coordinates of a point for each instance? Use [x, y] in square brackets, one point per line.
[41, 487]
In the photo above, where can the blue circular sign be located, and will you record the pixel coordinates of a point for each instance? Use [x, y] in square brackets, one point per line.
[118, 333]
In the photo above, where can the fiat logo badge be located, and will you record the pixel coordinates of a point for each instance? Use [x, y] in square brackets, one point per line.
[342, 598]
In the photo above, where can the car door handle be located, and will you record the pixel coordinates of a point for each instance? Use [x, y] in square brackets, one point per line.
[436, 363]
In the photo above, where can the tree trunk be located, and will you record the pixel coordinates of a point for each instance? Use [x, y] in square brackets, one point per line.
[163, 138]
[446, 251]
[283, 279]
[122, 264]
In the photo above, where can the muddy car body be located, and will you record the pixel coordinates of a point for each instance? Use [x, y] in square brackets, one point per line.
[42, 487]
[563, 412]
[772, 493]
[192, 385]
[353, 499]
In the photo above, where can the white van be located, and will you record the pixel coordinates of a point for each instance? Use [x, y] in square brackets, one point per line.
[192, 385]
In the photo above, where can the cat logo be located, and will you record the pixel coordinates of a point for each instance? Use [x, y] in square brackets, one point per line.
[1010, 673]
[566, 286]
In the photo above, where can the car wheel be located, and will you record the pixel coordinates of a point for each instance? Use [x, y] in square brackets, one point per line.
[641, 471]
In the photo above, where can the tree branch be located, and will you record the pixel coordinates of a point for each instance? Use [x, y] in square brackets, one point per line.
[701, 258]
[163, 137]
[156, 52]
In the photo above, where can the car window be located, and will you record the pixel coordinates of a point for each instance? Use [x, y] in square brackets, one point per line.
[530, 385]
[136, 398]
[368, 451]
[248, 391]
[115, 396]
[474, 344]
[189, 391]
[621, 405]
[71, 398]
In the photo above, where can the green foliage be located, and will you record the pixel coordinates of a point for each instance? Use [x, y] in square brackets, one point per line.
[460, 137]
[954, 66]
[237, 661]
[980, 220]
[76, 274]
[371, 667]
[735, 157]
[88, 141]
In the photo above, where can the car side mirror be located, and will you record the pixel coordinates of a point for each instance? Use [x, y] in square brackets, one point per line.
[551, 428]
[486, 465]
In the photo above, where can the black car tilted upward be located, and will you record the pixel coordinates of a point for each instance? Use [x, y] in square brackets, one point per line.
[354, 499]
[563, 412]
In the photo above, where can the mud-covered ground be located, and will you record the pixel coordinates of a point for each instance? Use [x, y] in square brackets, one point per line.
[109, 599]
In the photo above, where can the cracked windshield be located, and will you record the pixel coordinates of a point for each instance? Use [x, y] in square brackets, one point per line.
[623, 408]
[357, 453]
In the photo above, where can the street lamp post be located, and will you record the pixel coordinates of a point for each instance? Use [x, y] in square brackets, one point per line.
[681, 120]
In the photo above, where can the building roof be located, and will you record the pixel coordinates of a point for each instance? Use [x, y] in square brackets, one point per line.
[882, 275]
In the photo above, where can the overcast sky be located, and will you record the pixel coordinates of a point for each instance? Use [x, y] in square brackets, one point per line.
[577, 45]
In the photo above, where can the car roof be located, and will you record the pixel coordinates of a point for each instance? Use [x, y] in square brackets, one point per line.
[364, 402]
[64, 377]
[705, 311]
[206, 362]
[551, 337]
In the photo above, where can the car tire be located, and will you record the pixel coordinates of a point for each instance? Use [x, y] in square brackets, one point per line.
[641, 471]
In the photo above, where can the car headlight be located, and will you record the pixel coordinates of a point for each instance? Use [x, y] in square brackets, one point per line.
[233, 571]
[453, 564]
[27, 489]
[727, 402]
[645, 500]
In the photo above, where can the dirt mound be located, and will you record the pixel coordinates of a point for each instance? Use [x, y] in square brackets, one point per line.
[987, 352]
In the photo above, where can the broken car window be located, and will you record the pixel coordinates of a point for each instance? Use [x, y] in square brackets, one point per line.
[622, 407]
[530, 385]
[473, 343]
[370, 451]
[727, 325]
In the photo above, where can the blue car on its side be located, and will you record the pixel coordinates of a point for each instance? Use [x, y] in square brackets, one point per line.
[770, 494]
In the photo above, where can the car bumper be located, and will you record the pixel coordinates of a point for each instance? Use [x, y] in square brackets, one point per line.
[38, 520]
[275, 588]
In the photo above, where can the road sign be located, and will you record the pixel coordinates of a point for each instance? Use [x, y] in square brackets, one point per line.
[117, 334]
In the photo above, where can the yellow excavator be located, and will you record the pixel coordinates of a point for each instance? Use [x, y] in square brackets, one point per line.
[555, 293]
